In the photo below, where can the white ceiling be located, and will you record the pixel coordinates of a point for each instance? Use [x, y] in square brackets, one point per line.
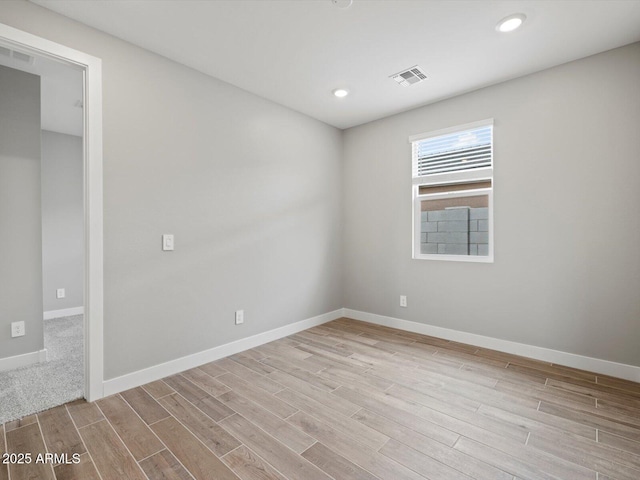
[295, 52]
[61, 88]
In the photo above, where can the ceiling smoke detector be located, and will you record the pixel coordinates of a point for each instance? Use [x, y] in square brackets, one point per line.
[410, 76]
[342, 3]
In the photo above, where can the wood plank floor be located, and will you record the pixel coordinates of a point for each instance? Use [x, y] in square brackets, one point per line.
[347, 400]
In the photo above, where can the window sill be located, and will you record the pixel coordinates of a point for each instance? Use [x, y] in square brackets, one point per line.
[456, 258]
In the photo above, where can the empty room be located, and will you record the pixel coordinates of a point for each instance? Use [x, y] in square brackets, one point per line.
[320, 239]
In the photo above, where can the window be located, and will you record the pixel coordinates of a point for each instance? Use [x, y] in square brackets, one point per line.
[453, 193]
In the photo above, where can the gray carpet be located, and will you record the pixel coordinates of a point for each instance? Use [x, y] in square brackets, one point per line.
[41, 386]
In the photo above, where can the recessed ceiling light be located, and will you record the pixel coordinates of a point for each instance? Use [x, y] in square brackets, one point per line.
[341, 92]
[511, 23]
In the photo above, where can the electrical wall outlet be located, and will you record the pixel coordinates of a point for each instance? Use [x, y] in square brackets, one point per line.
[17, 329]
[167, 242]
[239, 317]
[60, 293]
[403, 300]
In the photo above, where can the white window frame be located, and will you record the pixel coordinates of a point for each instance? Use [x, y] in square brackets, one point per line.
[451, 178]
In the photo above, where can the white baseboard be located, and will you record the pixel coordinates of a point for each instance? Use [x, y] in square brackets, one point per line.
[141, 377]
[23, 360]
[65, 312]
[596, 365]
[135, 379]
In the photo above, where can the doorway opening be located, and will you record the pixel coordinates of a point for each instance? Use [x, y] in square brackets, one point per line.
[71, 282]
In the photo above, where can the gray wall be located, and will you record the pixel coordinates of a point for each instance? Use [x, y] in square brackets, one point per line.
[250, 189]
[62, 220]
[256, 195]
[20, 228]
[567, 150]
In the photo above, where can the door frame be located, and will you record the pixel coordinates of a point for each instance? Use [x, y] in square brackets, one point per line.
[92, 160]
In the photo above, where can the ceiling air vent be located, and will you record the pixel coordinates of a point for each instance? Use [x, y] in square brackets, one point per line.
[410, 76]
[23, 57]
[18, 57]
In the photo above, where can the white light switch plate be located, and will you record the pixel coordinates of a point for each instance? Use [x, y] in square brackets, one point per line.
[167, 242]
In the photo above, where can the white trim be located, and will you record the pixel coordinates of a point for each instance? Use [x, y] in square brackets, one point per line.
[445, 131]
[23, 360]
[63, 312]
[448, 178]
[93, 297]
[596, 365]
[455, 258]
[141, 377]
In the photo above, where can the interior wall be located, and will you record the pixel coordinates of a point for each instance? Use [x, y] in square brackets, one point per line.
[62, 220]
[20, 242]
[250, 189]
[257, 195]
[567, 231]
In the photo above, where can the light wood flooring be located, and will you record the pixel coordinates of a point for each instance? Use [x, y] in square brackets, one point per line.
[347, 400]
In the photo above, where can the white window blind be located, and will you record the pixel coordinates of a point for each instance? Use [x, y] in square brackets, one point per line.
[454, 152]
